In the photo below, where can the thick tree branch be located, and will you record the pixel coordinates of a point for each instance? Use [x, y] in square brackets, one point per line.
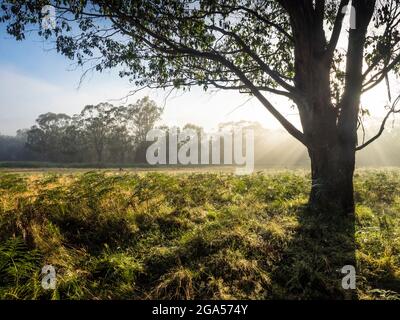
[337, 29]
[260, 88]
[266, 21]
[173, 47]
[274, 75]
[351, 98]
[382, 127]
[379, 76]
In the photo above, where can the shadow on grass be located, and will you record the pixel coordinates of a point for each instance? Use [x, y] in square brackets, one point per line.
[311, 264]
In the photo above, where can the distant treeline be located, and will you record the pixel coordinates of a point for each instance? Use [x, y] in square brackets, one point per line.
[105, 134]
[101, 133]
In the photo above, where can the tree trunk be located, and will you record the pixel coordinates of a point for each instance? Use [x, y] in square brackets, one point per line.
[99, 154]
[332, 170]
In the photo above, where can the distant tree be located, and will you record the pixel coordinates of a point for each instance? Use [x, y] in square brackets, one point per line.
[14, 148]
[199, 132]
[46, 137]
[73, 142]
[141, 118]
[190, 126]
[97, 123]
[119, 144]
[22, 134]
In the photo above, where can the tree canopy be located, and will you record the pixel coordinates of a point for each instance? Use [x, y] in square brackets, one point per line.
[249, 46]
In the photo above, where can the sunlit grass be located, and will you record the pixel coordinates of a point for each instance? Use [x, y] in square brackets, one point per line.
[191, 236]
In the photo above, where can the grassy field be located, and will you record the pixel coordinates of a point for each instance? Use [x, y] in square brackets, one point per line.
[156, 235]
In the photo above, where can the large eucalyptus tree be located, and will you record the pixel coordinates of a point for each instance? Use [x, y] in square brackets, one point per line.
[261, 47]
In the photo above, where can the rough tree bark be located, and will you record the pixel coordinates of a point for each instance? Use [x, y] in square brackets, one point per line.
[330, 133]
